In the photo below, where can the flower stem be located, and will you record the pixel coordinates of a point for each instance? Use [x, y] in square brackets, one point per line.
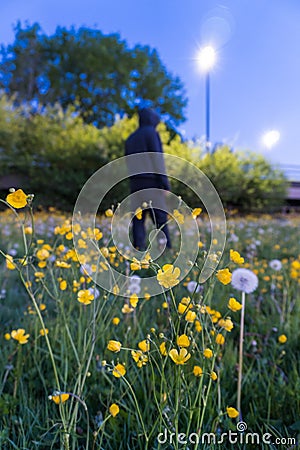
[240, 369]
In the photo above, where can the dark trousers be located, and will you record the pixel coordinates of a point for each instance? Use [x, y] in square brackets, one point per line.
[159, 216]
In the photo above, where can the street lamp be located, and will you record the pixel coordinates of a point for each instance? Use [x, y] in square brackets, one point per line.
[270, 138]
[206, 60]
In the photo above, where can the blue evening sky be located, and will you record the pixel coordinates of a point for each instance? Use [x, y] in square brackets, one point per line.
[255, 83]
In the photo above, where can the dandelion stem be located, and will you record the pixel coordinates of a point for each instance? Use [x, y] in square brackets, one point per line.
[240, 368]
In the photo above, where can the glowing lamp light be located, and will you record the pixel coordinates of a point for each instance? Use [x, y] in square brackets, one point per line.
[270, 138]
[206, 58]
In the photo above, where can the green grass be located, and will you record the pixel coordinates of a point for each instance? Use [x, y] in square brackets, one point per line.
[159, 395]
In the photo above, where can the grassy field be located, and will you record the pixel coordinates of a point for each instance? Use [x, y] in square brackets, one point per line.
[83, 368]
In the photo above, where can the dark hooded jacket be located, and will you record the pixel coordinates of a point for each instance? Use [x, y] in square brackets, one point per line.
[146, 139]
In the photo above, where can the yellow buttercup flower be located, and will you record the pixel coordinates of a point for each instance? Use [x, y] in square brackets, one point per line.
[115, 320]
[133, 300]
[232, 412]
[97, 234]
[179, 358]
[139, 357]
[178, 216]
[114, 409]
[9, 262]
[42, 264]
[39, 275]
[144, 346]
[226, 324]
[145, 262]
[135, 264]
[119, 371]
[295, 265]
[20, 336]
[43, 332]
[168, 276]
[42, 254]
[126, 309]
[116, 290]
[162, 349]
[208, 353]
[114, 346]
[198, 326]
[63, 285]
[84, 296]
[190, 316]
[59, 398]
[197, 371]
[224, 276]
[215, 316]
[220, 339]
[236, 257]
[139, 213]
[109, 212]
[282, 339]
[184, 305]
[183, 341]
[104, 251]
[196, 212]
[213, 376]
[62, 264]
[17, 199]
[234, 305]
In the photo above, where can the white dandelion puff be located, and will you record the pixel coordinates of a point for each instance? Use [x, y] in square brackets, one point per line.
[244, 280]
[191, 286]
[275, 264]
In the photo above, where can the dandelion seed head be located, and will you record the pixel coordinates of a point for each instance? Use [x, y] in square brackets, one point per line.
[275, 264]
[191, 286]
[244, 280]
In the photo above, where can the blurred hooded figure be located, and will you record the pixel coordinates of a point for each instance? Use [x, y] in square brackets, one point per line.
[146, 174]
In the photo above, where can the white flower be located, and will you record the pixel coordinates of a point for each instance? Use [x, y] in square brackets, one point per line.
[94, 291]
[275, 264]
[134, 288]
[244, 280]
[192, 285]
[135, 279]
[233, 238]
[86, 269]
[162, 241]
[134, 284]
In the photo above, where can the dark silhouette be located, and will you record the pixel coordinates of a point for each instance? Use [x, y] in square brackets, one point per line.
[147, 174]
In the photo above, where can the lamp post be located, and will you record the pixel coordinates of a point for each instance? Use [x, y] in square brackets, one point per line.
[206, 59]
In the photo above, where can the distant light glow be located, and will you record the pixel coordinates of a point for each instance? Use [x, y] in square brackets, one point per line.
[206, 58]
[270, 138]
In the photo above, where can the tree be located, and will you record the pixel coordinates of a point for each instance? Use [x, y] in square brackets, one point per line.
[97, 73]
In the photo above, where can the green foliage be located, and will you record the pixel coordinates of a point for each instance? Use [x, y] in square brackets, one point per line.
[99, 73]
[58, 152]
[245, 180]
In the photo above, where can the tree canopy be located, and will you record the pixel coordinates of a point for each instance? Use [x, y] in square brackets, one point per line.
[99, 74]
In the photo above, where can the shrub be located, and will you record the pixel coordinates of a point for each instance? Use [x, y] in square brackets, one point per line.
[57, 152]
